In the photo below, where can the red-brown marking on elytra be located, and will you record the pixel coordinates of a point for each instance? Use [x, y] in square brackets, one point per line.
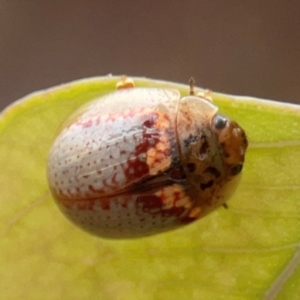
[144, 146]
[152, 117]
[140, 169]
[92, 189]
[166, 153]
[175, 196]
[106, 184]
[104, 204]
[153, 204]
[150, 203]
[149, 123]
[85, 124]
[114, 178]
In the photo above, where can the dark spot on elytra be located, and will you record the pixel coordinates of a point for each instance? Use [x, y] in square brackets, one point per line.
[206, 185]
[151, 121]
[191, 167]
[190, 139]
[153, 205]
[148, 123]
[149, 203]
[212, 170]
[105, 205]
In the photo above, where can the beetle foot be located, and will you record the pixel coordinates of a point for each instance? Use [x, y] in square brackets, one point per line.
[125, 83]
[225, 205]
[206, 95]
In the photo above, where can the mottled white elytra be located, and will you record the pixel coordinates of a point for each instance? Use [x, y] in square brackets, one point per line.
[141, 161]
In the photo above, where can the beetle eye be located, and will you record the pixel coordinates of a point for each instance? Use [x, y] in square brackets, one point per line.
[219, 121]
[236, 169]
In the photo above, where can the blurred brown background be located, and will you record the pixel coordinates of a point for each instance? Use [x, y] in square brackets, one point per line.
[237, 47]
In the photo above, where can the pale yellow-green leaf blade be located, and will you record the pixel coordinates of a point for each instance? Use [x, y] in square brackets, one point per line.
[247, 252]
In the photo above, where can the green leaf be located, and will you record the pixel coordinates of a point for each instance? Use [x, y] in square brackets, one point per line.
[250, 251]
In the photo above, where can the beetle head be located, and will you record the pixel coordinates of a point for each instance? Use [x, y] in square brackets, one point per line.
[212, 149]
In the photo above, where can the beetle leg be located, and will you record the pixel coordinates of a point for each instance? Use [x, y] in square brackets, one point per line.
[206, 95]
[225, 205]
[125, 83]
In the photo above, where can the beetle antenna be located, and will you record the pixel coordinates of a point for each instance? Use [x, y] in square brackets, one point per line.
[192, 85]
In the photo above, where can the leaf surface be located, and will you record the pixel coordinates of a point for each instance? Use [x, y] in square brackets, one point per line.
[250, 251]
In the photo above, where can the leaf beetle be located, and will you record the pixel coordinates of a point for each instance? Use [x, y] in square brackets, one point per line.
[141, 161]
